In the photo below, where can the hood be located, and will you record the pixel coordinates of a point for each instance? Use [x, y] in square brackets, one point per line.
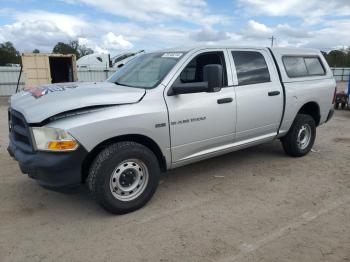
[40, 103]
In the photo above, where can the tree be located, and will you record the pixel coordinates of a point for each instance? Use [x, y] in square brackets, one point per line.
[9, 54]
[83, 51]
[36, 51]
[72, 47]
[338, 58]
[63, 48]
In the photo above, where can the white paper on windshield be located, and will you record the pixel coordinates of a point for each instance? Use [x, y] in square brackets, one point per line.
[172, 55]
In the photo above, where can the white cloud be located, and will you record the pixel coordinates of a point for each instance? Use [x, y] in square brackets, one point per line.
[311, 11]
[332, 34]
[256, 29]
[30, 35]
[116, 42]
[293, 32]
[195, 11]
[152, 25]
[209, 35]
[42, 30]
[71, 25]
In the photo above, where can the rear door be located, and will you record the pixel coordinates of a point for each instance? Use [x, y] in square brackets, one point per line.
[259, 94]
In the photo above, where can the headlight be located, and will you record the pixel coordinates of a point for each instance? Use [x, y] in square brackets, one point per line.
[53, 139]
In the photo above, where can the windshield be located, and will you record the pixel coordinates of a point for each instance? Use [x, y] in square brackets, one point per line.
[145, 71]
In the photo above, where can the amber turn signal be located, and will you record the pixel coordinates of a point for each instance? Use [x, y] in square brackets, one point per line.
[62, 145]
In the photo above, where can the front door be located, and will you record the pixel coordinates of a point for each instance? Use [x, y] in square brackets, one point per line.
[201, 123]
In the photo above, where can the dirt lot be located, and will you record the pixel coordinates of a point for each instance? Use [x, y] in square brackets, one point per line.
[252, 205]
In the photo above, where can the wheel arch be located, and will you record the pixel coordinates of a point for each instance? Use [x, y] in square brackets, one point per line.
[141, 139]
[312, 109]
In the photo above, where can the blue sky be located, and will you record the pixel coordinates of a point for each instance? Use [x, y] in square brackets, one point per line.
[114, 26]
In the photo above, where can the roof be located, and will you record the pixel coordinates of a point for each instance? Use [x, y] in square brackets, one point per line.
[281, 50]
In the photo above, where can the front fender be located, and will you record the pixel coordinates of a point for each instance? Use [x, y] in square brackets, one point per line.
[93, 128]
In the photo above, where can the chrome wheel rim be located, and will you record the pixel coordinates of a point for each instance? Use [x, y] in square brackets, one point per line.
[304, 136]
[129, 180]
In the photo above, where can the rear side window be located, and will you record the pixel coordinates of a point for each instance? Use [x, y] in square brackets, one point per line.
[303, 66]
[314, 66]
[251, 67]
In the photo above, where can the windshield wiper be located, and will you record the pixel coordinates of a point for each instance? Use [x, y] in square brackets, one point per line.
[117, 83]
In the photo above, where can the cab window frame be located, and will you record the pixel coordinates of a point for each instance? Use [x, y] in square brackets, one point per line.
[224, 63]
[262, 81]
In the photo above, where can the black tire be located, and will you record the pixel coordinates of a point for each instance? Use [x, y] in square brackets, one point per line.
[343, 106]
[104, 166]
[290, 141]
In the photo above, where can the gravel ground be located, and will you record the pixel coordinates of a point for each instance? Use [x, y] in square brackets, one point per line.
[253, 205]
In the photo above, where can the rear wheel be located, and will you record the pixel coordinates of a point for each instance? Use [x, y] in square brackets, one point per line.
[124, 177]
[301, 136]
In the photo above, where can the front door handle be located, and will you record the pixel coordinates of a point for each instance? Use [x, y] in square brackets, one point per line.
[225, 100]
[274, 93]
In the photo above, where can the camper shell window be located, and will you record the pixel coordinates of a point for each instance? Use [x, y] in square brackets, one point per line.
[303, 66]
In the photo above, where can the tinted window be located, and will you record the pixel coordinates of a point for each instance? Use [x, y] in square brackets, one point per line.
[251, 67]
[295, 66]
[188, 75]
[303, 66]
[314, 66]
[193, 72]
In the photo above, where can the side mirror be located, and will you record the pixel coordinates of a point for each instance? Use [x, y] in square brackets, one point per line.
[213, 75]
[212, 80]
[188, 88]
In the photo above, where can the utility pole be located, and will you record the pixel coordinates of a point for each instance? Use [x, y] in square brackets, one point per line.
[272, 38]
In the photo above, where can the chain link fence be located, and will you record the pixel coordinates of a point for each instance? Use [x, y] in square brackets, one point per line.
[341, 73]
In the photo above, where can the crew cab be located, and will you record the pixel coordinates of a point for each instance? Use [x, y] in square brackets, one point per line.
[166, 109]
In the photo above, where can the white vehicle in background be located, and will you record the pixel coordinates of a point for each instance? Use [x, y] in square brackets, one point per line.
[94, 62]
[104, 62]
[121, 59]
[13, 65]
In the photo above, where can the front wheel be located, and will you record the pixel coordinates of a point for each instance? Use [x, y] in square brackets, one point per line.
[301, 136]
[124, 177]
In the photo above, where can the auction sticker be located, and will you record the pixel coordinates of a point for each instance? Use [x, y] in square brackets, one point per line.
[172, 55]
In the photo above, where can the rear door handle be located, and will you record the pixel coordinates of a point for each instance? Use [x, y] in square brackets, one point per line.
[225, 100]
[274, 93]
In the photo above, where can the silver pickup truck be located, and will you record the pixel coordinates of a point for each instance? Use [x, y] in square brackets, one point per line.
[167, 109]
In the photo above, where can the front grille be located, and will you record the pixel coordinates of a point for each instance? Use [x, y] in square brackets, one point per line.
[19, 131]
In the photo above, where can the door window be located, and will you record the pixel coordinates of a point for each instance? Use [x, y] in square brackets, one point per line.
[193, 72]
[251, 67]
